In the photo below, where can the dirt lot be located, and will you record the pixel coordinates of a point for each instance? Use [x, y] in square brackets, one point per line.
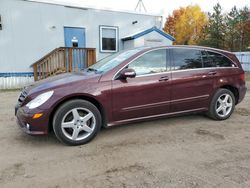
[190, 151]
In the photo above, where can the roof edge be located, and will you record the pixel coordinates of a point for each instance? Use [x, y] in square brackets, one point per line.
[135, 36]
[78, 6]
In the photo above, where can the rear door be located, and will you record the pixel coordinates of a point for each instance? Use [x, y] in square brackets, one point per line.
[148, 94]
[192, 84]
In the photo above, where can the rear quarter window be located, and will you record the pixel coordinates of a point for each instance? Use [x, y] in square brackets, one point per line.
[213, 59]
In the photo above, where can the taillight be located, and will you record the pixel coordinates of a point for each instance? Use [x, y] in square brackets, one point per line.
[242, 76]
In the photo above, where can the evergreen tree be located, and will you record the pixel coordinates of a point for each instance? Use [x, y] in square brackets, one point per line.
[216, 29]
[244, 28]
[232, 36]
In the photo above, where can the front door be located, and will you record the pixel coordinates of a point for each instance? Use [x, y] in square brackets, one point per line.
[75, 38]
[146, 95]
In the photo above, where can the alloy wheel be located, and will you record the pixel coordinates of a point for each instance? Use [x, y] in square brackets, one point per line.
[224, 105]
[78, 124]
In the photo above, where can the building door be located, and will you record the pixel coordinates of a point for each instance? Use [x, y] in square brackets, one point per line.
[75, 38]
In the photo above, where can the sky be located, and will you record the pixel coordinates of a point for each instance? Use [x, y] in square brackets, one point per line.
[162, 7]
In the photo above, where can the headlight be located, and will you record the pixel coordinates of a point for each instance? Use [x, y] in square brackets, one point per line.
[39, 100]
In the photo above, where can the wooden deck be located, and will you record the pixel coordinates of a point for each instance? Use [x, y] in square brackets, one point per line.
[63, 59]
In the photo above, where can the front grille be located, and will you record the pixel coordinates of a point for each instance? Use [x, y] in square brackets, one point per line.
[22, 96]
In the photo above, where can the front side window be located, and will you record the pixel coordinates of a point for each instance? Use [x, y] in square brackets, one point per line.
[113, 60]
[108, 39]
[151, 62]
[186, 58]
[216, 60]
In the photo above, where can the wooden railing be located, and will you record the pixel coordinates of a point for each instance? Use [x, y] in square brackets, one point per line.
[63, 59]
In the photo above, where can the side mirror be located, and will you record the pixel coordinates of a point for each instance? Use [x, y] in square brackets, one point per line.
[127, 73]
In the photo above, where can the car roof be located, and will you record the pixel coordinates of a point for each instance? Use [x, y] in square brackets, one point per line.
[187, 46]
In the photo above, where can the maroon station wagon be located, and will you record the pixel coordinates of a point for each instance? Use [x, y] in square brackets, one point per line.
[133, 85]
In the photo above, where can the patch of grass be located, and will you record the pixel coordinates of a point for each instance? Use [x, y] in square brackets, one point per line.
[247, 76]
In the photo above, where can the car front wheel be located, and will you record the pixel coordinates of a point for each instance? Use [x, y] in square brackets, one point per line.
[222, 104]
[76, 122]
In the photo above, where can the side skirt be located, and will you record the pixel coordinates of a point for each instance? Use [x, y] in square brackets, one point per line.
[154, 116]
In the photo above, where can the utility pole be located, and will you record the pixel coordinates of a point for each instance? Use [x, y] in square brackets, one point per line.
[140, 5]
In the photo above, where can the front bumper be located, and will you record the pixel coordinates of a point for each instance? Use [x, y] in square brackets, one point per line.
[28, 124]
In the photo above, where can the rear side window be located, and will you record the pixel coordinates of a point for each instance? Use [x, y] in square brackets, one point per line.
[186, 59]
[212, 59]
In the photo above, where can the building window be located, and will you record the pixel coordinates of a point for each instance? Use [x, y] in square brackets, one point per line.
[108, 39]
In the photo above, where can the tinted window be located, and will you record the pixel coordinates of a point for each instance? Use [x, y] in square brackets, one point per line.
[216, 60]
[151, 62]
[207, 62]
[186, 59]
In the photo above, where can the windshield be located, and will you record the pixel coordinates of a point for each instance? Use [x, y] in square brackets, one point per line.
[112, 61]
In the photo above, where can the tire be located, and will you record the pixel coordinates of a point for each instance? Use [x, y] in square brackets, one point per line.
[222, 105]
[76, 122]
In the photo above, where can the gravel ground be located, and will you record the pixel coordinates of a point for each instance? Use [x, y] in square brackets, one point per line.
[188, 151]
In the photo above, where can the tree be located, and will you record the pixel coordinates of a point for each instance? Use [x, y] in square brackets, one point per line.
[238, 29]
[244, 28]
[186, 24]
[232, 36]
[216, 29]
[172, 20]
[230, 31]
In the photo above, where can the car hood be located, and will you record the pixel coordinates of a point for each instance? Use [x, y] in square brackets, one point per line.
[62, 80]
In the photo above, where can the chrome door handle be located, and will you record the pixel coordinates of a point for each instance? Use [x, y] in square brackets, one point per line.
[211, 73]
[164, 78]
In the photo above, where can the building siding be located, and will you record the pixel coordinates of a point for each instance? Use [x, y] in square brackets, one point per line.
[33, 29]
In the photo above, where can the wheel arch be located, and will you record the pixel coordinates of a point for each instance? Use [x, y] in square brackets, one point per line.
[82, 97]
[234, 90]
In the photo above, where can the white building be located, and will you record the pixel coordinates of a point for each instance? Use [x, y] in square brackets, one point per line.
[31, 29]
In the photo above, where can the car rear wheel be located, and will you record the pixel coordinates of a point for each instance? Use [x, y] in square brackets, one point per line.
[222, 105]
[76, 122]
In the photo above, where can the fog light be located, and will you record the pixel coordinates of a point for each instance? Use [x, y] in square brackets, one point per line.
[28, 126]
[35, 116]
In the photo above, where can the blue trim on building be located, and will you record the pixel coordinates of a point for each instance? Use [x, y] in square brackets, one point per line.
[16, 74]
[132, 37]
